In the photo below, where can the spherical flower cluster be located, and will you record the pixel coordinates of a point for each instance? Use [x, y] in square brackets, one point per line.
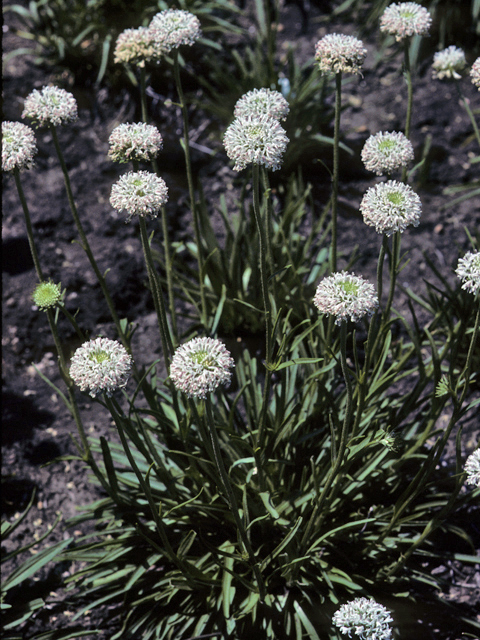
[136, 46]
[391, 206]
[139, 193]
[475, 73]
[200, 366]
[384, 152]
[345, 295]
[46, 295]
[449, 64]
[405, 19]
[336, 53]
[174, 27]
[101, 366]
[255, 140]
[468, 271]
[50, 106]
[472, 468]
[259, 102]
[18, 146]
[365, 618]
[134, 142]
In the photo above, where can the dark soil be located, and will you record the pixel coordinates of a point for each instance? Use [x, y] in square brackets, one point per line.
[37, 428]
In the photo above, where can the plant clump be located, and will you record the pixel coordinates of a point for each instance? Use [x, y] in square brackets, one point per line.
[18, 146]
[337, 53]
[200, 366]
[391, 206]
[50, 106]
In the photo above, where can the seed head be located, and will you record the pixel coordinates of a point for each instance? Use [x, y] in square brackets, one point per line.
[365, 618]
[468, 271]
[391, 206]
[255, 140]
[200, 366]
[101, 366]
[384, 152]
[134, 142]
[449, 64]
[336, 53]
[18, 146]
[137, 46]
[139, 193]
[260, 102]
[472, 468]
[46, 295]
[475, 73]
[174, 27]
[405, 19]
[345, 295]
[50, 106]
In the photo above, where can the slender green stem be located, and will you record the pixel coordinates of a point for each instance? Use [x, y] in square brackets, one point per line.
[263, 261]
[169, 273]
[28, 223]
[143, 94]
[157, 294]
[408, 79]
[394, 257]
[191, 191]
[231, 498]
[468, 110]
[86, 245]
[335, 177]
[269, 226]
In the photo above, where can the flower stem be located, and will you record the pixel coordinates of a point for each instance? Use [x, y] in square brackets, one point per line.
[28, 223]
[336, 149]
[408, 79]
[468, 110]
[231, 498]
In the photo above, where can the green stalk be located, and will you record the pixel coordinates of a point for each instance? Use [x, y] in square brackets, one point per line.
[263, 261]
[28, 223]
[143, 94]
[188, 163]
[397, 238]
[336, 150]
[231, 498]
[468, 110]
[408, 79]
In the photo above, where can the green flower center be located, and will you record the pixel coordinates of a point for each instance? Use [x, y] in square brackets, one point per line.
[395, 198]
[408, 15]
[350, 288]
[386, 145]
[204, 359]
[99, 356]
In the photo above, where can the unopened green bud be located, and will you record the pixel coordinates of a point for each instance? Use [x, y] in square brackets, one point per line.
[47, 295]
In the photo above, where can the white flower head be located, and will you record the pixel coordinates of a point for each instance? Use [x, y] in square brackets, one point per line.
[391, 206]
[345, 295]
[468, 271]
[47, 295]
[18, 146]
[384, 152]
[472, 468]
[200, 366]
[449, 64]
[475, 73]
[174, 27]
[259, 102]
[101, 366]
[365, 618]
[255, 140]
[137, 46]
[405, 19]
[139, 193]
[136, 142]
[336, 53]
[50, 106]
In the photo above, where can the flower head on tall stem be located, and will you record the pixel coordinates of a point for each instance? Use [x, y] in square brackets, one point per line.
[101, 366]
[137, 46]
[259, 102]
[365, 618]
[475, 73]
[200, 366]
[384, 152]
[174, 27]
[134, 142]
[337, 53]
[50, 106]
[139, 193]
[345, 295]
[47, 295]
[391, 206]
[255, 140]
[449, 64]
[472, 468]
[468, 271]
[18, 146]
[405, 19]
